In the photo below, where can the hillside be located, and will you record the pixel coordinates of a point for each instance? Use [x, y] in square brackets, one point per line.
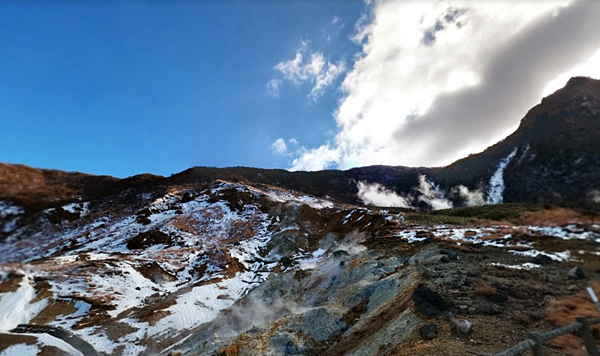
[555, 160]
[245, 261]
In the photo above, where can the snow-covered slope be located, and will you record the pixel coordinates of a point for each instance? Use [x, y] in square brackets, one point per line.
[124, 281]
[197, 270]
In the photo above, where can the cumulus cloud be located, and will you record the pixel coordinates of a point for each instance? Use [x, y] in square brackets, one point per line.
[279, 146]
[316, 70]
[436, 81]
[316, 159]
[297, 71]
[376, 194]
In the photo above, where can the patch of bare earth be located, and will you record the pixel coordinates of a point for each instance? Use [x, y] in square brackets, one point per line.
[11, 283]
[7, 340]
[51, 351]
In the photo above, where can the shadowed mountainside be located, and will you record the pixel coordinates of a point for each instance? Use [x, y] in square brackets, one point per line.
[555, 160]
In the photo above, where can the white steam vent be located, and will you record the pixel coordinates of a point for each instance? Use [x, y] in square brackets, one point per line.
[495, 194]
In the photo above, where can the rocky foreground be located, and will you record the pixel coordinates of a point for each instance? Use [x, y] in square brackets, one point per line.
[247, 269]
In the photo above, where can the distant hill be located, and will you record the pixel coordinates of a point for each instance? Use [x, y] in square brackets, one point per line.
[555, 159]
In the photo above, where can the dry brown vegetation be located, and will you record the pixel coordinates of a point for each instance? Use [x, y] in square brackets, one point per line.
[556, 216]
[564, 311]
[11, 283]
[485, 289]
[504, 214]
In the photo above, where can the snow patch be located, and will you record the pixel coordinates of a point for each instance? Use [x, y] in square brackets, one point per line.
[48, 340]
[347, 217]
[527, 265]
[7, 209]
[496, 191]
[20, 350]
[16, 307]
[410, 236]
[82, 209]
[569, 232]
[556, 256]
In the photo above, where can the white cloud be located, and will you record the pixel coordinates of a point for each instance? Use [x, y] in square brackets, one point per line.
[436, 81]
[325, 78]
[273, 87]
[432, 195]
[472, 198]
[297, 72]
[377, 195]
[335, 20]
[316, 70]
[279, 146]
[315, 160]
[587, 68]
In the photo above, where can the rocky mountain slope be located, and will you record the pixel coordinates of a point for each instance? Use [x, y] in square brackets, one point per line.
[243, 261]
[551, 158]
[237, 269]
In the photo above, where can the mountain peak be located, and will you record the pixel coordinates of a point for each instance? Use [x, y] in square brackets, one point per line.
[575, 82]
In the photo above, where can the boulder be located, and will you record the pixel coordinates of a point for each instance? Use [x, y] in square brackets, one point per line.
[428, 331]
[497, 298]
[541, 259]
[427, 310]
[576, 273]
[425, 294]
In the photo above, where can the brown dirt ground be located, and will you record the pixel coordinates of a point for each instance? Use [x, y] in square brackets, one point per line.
[538, 300]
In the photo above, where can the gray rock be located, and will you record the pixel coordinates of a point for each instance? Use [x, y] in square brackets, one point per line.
[322, 325]
[540, 259]
[426, 273]
[427, 310]
[462, 326]
[393, 333]
[428, 331]
[489, 309]
[425, 294]
[286, 344]
[340, 254]
[382, 291]
[576, 273]
[497, 298]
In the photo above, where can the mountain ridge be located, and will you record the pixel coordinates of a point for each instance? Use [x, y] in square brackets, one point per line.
[252, 262]
[562, 125]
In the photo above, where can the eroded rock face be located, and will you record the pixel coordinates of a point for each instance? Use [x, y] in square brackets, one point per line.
[139, 279]
[240, 270]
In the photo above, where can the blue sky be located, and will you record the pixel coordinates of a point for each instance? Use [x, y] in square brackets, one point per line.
[122, 88]
[128, 87]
